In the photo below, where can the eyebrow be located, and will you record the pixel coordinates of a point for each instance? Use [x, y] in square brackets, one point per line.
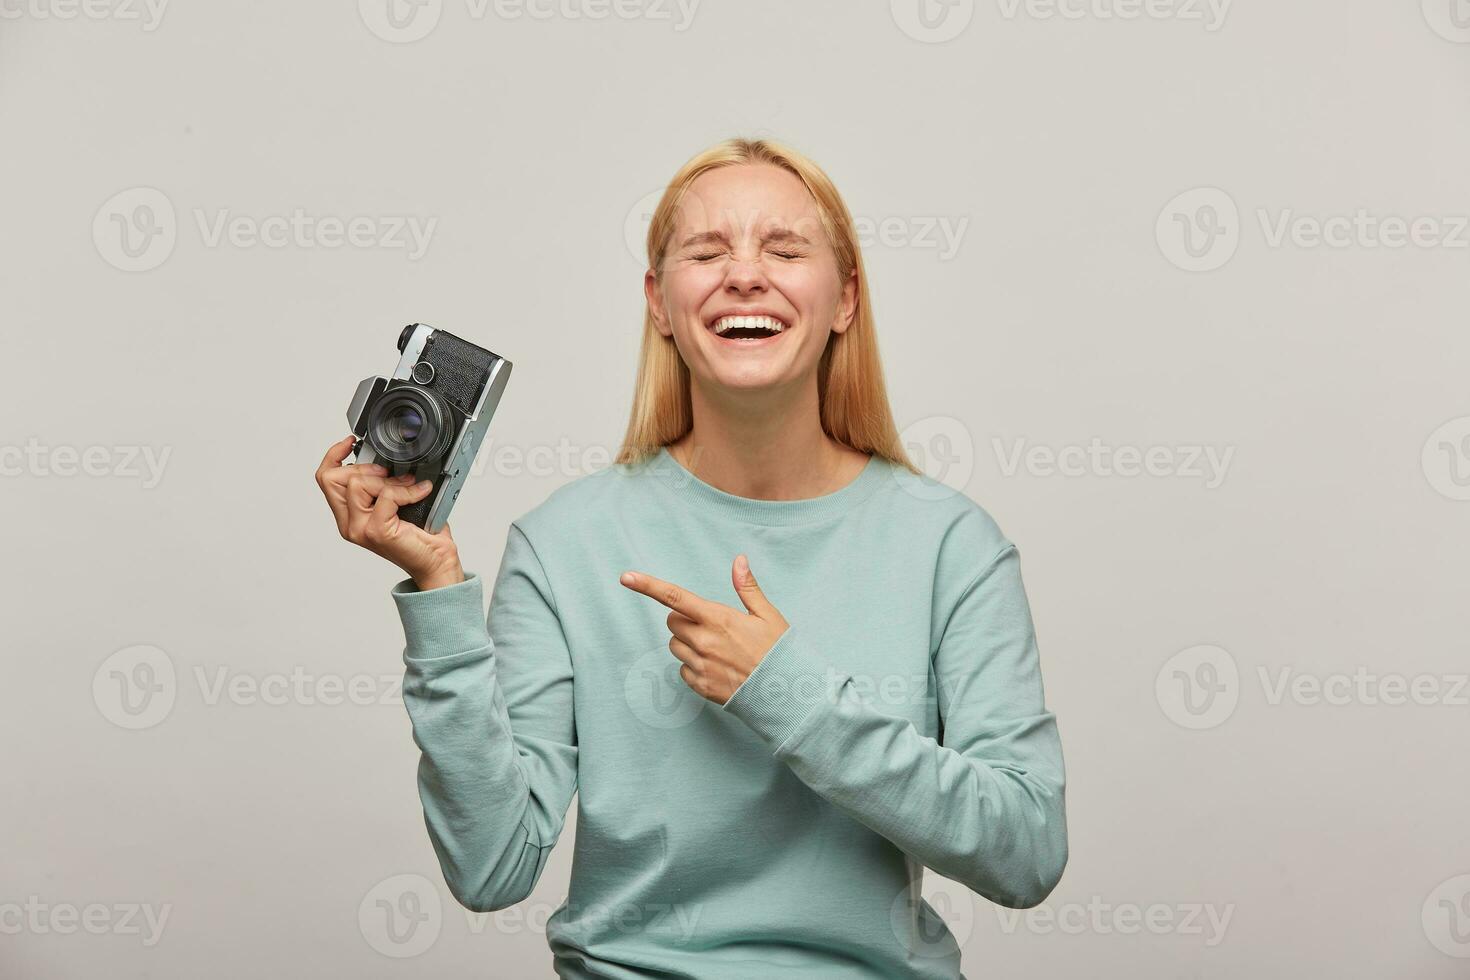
[719, 237]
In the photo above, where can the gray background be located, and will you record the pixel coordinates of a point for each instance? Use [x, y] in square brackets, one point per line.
[1322, 836]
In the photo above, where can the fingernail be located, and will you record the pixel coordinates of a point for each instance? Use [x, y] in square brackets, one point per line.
[423, 485]
[628, 578]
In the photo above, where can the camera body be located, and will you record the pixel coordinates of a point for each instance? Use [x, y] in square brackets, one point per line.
[430, 418]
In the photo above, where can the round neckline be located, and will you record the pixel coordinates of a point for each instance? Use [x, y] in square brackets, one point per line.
[685, 484]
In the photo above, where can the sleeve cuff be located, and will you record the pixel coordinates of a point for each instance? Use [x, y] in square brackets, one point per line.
[444, 621]
[786, 687]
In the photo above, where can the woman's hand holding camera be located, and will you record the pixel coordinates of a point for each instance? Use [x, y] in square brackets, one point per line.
[365, 501]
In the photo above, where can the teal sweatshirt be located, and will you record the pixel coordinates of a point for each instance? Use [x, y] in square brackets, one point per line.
[898, 723]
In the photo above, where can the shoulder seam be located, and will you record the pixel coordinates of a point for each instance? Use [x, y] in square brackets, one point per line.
[984, 572]
[550, 588]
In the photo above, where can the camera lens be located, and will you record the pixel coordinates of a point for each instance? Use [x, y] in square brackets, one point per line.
[407, 425]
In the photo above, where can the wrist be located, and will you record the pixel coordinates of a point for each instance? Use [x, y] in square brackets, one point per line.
[445, 573]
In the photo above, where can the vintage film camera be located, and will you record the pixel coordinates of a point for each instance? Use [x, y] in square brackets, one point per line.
[430, 417]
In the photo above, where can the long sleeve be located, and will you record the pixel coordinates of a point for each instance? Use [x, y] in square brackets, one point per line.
[491, 707]
[983, 805]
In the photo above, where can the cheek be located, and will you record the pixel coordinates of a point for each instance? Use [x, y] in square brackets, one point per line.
[811, 291]
[689, 288]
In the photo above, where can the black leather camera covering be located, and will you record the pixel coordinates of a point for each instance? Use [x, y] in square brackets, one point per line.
[461, 370]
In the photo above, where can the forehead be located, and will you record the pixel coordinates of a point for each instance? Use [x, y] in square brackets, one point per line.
[747, 197]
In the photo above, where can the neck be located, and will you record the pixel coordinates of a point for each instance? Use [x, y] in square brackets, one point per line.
[765, 444]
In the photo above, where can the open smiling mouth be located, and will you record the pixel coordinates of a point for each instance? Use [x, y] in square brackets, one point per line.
[747, 330]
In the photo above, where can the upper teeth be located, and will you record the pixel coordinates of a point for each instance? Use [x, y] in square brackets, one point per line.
[727, 323]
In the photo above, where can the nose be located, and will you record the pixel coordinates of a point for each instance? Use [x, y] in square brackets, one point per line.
[745, 278]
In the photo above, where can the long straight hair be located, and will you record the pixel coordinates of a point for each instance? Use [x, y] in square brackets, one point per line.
[853, 402]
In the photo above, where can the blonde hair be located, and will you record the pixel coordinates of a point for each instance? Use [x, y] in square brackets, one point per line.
[853, 402]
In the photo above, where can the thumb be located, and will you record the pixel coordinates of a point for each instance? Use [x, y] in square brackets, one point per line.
[385, 508]
[750, 593]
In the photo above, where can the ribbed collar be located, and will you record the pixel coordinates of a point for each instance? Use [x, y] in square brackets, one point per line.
[685, 485]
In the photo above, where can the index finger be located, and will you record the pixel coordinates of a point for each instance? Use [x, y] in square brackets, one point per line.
[679, 599]
[339, 451]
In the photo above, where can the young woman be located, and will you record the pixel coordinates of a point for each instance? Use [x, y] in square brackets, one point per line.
[763, 769]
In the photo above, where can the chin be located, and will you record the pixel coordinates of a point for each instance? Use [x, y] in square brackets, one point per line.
[746, 377]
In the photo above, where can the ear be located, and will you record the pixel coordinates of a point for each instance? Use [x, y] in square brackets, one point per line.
[846, 304]
[656, 303]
